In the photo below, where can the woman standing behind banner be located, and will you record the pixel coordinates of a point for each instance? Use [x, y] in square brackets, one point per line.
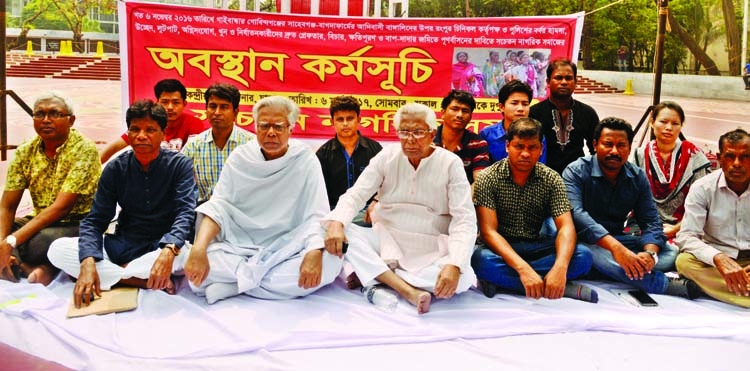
[672, 165]
[466, 76]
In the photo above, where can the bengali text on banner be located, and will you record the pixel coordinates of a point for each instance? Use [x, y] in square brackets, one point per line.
[384, 62]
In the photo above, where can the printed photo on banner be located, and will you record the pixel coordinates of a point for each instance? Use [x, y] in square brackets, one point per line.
[483, 71]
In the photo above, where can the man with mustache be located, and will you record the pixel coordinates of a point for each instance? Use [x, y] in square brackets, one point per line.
[209, 150]
[603, 189]
[567, 122]
[452, 135]
[715, 233]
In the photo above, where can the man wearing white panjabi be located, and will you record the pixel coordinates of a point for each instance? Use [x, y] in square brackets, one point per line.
[260, 234]
[424, 224]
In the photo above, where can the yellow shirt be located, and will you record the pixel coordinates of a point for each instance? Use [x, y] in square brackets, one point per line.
[75, 168]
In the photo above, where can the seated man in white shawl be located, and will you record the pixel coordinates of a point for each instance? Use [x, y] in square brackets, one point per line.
[260, 234]
[424, 225]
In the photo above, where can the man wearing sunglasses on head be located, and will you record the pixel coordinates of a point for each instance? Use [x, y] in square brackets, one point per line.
[60, 168]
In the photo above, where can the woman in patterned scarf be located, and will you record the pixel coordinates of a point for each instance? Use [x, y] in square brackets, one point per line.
[672, 165]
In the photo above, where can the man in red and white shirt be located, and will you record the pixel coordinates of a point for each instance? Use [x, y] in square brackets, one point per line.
[172, 95]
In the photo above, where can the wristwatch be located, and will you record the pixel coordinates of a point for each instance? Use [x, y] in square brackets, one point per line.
[173, 248]
[11, 240]
[654, 256]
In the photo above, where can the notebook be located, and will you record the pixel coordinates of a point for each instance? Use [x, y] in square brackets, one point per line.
[120, 299]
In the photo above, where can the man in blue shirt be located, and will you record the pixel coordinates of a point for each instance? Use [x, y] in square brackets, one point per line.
[155, 188]
[513, 99]
[603, 188]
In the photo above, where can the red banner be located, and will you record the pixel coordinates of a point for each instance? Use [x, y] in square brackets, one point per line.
[384, 62]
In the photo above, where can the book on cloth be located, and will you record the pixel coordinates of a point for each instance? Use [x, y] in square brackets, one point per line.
[120, 299]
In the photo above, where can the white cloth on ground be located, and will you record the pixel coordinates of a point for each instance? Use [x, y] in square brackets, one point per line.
[424, 216]
[63, 253]
[171, 331]
[269, 213]
[363, 255]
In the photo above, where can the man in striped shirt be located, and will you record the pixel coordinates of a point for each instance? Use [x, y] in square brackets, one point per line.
[452, 135]
[210, 149]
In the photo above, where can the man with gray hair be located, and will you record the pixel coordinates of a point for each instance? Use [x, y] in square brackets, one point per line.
[60, 169]
[424, 225]
[260, 234]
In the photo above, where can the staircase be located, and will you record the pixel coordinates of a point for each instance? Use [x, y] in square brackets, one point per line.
[585, 85]
[88, 68]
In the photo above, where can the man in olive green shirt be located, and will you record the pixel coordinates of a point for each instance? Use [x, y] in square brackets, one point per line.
[60, 168]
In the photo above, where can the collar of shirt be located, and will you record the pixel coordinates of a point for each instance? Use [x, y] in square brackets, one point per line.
[39, 143]
[360, 142]
[626, 170]
[233, 136]
[724, 187]
[504, 170]
[137, 164]
[439, 139]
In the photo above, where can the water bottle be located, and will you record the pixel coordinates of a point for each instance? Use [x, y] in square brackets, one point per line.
[380, 297]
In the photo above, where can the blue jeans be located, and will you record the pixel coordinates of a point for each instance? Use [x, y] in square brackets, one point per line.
[654, 282]
[539, 255]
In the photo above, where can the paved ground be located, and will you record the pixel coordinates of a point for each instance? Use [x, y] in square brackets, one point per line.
[99, 112]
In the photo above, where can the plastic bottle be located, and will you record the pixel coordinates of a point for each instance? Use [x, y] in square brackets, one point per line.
[380, 297]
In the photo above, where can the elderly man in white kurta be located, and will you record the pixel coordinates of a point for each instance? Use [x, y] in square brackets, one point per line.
[424, 224]
[260, 234]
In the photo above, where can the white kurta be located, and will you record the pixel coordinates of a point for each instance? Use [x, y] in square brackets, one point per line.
[424, 220]
[269, 213]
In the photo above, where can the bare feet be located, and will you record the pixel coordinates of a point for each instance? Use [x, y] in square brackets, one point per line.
[421, 300]
[43, 274]
[352, 281]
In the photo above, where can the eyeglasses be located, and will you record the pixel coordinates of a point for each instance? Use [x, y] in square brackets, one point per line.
[54, 115]
[277, 127]
[417, 134]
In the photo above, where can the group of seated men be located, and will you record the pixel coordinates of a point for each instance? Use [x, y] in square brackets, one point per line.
[272, 220]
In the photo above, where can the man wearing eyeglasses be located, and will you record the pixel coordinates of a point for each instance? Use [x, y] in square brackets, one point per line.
[259, 234]
[424, 226]
[60, 168]
[452, 135]
[210, 149]
[568, 124]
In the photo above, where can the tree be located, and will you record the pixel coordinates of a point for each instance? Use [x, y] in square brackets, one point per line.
[75, 15]
[733, 37]
[29, 15]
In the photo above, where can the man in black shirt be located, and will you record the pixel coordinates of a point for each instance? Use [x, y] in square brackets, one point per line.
[566, 122]
[345, 157]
